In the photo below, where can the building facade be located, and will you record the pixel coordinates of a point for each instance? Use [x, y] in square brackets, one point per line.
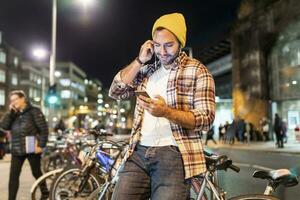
[221, 69]
[266, 60]
[10, 60]
[34, 80]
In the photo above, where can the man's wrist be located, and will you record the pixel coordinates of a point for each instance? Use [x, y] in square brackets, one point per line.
[168, 112]
[139, 61]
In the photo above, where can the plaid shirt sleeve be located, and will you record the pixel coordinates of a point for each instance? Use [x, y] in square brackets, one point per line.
[204, 102]
[120, 90]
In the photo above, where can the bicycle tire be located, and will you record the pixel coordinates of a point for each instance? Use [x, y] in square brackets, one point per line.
[75, 174]
[35, 186]
[254, 197]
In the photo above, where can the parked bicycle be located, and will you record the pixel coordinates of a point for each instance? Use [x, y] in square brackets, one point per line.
[207, 187]
[63, 150]
[100, 163]
[48, 178]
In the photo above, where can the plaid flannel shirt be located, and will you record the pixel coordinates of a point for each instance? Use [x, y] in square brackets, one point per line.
[190, 88]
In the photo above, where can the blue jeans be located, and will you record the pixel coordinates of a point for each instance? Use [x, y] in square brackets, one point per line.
[152, 172]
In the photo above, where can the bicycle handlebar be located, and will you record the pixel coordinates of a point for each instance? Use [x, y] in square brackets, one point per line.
[234, 168]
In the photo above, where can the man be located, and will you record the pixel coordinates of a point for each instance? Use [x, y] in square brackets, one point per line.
[29, 132]
[165, 144]
[278, 131]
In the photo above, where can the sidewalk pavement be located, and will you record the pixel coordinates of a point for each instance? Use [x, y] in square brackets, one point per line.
[289, 147]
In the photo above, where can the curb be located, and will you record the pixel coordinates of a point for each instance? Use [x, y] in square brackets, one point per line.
[255, 147]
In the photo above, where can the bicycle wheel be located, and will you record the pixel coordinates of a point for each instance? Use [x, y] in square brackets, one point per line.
[35, 191]
[254, 197]
[66, 185]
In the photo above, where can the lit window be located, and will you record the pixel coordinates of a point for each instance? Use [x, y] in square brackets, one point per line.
[65, 94]
[30, 92]
[2, 57]
[2, 97]
[74, 85]
[14, 79]
[57, 73]
[16, 61]
[2, 76]
[65, 82]
[81, 87]
[30, 76]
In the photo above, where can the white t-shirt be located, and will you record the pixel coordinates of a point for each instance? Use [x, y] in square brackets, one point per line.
[156, 131]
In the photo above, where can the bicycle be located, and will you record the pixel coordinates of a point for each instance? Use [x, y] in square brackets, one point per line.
[99, 164]
[62, 152]
[209, 183]
[48, 178]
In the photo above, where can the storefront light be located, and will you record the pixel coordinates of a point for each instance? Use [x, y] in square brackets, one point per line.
[122, 110]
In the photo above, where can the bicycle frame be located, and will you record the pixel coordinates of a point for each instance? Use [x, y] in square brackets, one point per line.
[210, 179]
[102, 190]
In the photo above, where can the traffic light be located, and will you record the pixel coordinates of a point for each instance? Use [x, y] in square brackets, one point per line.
[52, 98]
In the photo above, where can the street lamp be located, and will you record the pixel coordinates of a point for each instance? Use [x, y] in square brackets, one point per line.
[52, 63]
[39, 53]
[53, 43]
[85, 3]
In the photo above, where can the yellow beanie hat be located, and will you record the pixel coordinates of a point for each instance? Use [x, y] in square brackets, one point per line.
[175, 23]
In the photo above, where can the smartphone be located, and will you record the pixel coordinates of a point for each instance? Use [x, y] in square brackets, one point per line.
[143, 93]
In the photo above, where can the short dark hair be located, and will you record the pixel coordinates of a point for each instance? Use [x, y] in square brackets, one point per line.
[19, 93]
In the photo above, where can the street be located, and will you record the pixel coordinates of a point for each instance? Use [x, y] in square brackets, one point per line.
[248, 161]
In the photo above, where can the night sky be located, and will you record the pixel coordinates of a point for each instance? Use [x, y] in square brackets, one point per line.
[103, 38]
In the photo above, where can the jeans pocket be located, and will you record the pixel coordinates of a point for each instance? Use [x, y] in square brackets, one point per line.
[174, 149]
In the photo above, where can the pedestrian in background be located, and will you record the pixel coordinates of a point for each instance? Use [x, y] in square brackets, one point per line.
[210, 135]
[265, 128]
[29, 132]
[240, 128]
[284, 130]
[230, 133]
[222, 131]
[278, 131]
[248, 132]
[60, 126]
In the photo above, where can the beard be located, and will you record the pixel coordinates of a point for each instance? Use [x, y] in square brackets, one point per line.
[168, 59]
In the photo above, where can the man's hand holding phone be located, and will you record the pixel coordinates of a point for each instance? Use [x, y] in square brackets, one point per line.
[156, 106]
[146, 51]
[142, 93]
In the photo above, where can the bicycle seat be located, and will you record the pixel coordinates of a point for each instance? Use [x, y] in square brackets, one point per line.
[217, 162]
[280, 176]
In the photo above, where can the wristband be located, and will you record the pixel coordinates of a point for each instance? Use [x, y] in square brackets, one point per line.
[139, 61]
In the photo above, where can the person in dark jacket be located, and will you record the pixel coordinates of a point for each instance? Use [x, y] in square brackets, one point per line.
[26, 123]
[278, 131]
[210, 135]
[60, 126]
